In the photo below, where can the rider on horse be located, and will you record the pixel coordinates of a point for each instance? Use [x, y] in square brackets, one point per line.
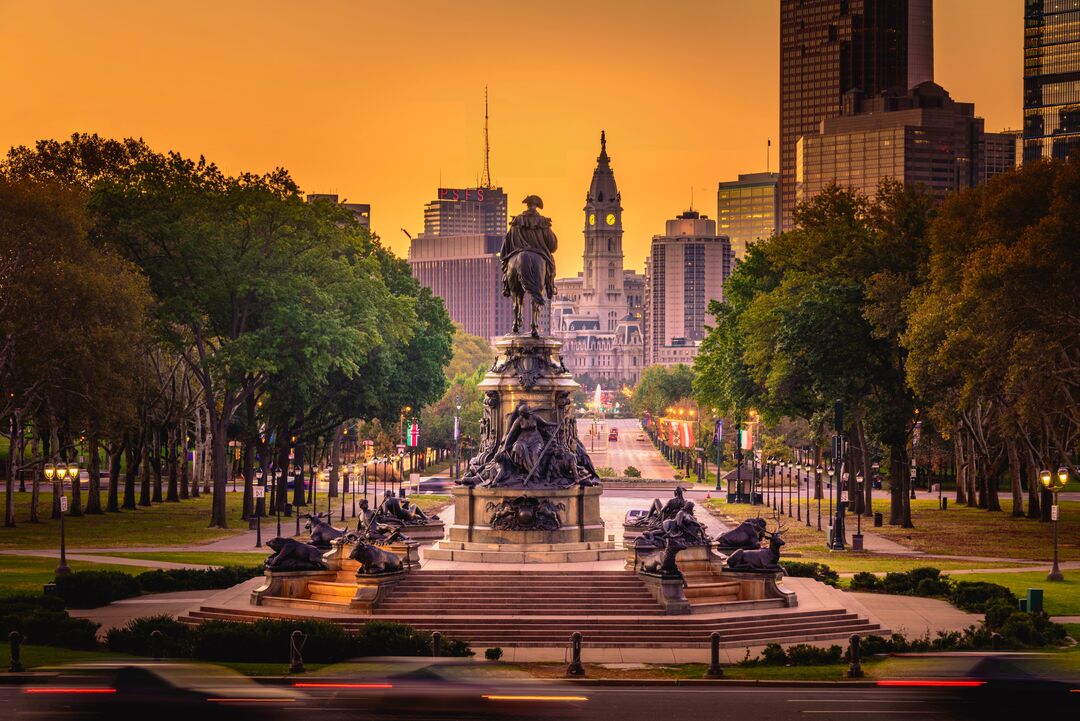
[529, 232]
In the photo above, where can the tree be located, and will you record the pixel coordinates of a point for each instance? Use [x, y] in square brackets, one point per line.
[469, 352]
[660, 387]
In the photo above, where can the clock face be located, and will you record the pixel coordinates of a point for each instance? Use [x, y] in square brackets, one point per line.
[611, 219]
[592, 218]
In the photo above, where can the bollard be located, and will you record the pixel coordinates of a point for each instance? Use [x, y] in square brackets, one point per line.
[155, 644]
[995, 641]
[575, 668]
[714, 670]
[855, 669]
[436, 644]
[16, 640]
[296, 644]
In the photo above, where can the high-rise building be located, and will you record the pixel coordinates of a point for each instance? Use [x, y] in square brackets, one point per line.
[920, 137]
[747, 208]
[457, 257]
[597, 314]
[1001, 152]
[686, 269]
[362, 211]
[830, 47]
[1051, 78]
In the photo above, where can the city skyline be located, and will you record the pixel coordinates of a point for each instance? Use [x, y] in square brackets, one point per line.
[383, 104]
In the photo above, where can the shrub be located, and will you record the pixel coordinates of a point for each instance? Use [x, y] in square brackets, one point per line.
[975, 596]
[90, 589]
[800, 654]
[268, 640]
[384, 638]
[866, 581]
[816, 571]
[606, 472]
[190, 579]
[134, 638]
[631, 472]
[43, 620]
[493, 654]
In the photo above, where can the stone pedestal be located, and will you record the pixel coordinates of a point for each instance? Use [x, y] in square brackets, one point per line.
[476, 510]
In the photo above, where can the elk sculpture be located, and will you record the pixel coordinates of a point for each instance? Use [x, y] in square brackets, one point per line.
[762, 560]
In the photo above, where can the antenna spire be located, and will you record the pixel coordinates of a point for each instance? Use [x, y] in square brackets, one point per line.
[485, 180]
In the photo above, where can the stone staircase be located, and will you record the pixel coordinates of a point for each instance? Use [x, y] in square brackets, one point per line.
[542, 609]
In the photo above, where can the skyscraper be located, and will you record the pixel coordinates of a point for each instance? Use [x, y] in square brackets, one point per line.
[362, 211]
[829, 47]
[919, 137]
[1051, 78]
[687, 268]
[457, 257]
[597, 313]
[746, 209]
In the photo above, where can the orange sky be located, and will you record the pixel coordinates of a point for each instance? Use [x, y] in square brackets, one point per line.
[378, 100]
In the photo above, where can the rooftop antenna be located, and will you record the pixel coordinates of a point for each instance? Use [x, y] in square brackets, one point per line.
[485, 180]
[691, 198]
[768, 148]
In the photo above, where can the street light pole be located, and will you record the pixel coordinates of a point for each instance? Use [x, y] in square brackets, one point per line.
[1053, 483]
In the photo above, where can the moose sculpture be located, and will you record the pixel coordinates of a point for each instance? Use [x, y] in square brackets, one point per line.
[747, 534]
[762, 560]
[322, 533]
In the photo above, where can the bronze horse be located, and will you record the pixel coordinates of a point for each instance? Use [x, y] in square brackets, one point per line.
[528, 262]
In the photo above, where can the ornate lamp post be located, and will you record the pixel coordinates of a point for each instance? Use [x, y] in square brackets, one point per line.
[279, 502]
[457, 438]
[345, 484]
[59, 472]
[401, 473]
[356, 471]
[1053, 483]
[816, 480]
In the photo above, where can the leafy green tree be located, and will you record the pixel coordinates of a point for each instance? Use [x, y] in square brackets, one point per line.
[660, 387]
[470, 353]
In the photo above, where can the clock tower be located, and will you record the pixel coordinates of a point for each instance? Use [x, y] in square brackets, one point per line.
[602, 293]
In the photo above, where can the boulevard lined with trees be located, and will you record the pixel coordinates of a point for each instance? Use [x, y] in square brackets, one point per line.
[156, 309]
[951, 326]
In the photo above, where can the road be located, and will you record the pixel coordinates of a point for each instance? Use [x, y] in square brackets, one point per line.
[420, 697]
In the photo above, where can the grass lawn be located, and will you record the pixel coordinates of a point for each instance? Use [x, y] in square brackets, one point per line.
[971, 531]
[1060, 598]
[37, 656]
[850, 562]
[207, 558]
[959, 531]
[430, 502]
[163, 524]
[22, 574]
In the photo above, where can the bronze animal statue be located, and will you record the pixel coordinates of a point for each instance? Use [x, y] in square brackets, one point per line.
[374, 560]
[528, 261]
[747, 534]
[290, 555]
[321, 533]
[762, 560]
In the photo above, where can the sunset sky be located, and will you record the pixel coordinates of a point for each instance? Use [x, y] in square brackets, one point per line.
[381, 101]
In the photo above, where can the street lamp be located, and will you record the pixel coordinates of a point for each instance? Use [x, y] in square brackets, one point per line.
[344, 484]
[401, 473]
[1053, 483]
[818, 494]
[59, 472]
[356, 470]
[457, 438]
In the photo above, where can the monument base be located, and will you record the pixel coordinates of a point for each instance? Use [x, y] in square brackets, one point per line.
[526, 517]
[523, 552]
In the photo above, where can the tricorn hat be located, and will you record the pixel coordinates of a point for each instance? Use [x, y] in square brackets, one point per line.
[533, 200]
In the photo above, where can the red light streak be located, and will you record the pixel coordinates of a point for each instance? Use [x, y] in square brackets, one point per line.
[931, 682]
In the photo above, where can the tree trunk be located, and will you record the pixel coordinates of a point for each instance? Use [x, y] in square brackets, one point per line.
[868, 479]
[219, 455]
[144, 471]
[959, 470]
[115, 456]
[172, 492]
[972, 474]
[52, 453]
[9, 485]
[899, 488]
[155, 462]
[1031, 473]
[93, 470]
[35, 484]
[75, 510]
[133, 454]
[1014, 477]
[250, 442]
[281, 476]
[298, 483]
[993, 500]
[335, 459]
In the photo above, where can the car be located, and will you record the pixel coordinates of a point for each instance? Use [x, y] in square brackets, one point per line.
[613, 434]
[635, 514]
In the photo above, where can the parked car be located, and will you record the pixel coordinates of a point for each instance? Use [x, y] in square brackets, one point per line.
[634, 514]
[613, 434]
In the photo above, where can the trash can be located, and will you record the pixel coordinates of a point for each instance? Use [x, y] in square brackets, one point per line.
[253, 522]
[1035, 600]
[856, 542]
[879, 520]
[944, 503]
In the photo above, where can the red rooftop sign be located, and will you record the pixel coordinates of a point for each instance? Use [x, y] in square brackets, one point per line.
[462, 194]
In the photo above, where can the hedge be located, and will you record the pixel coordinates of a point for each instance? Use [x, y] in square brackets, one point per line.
[90, 589]
[43, 620]
[268, 640]
[816, 571]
